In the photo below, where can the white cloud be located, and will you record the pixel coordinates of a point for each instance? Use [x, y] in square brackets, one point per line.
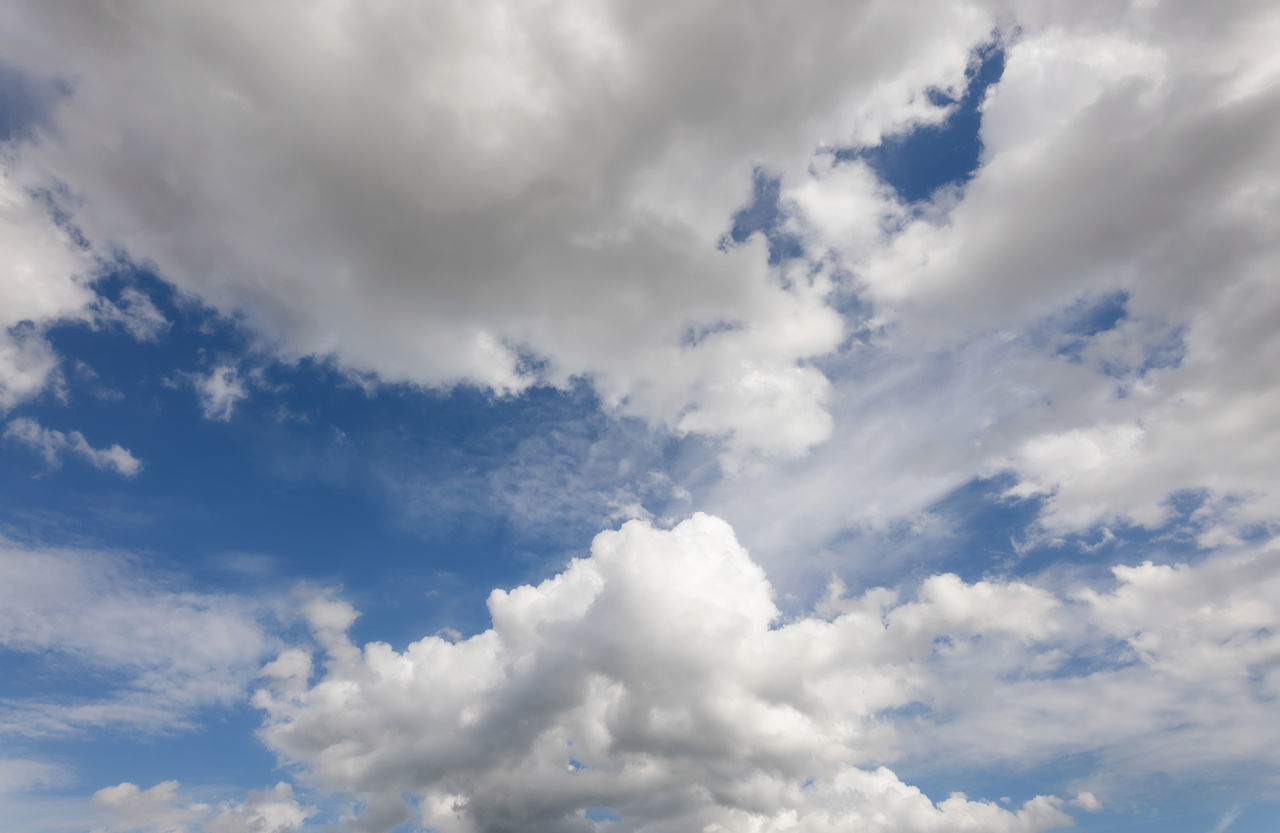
[220, 391]
[1228, 818]
[47, 277]
[1129, 149]
[437, 196]
[655, 678]
[43, 278]
[266, 811]
[23, 774]
[554, 188]
[503, 188]
[52, 444]
[162, 809]
[157, 653]
[135, 312]
[153, 810]
[1087, 801]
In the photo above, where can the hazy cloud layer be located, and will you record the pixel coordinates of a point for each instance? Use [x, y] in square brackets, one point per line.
[162, 809]
[152, 654]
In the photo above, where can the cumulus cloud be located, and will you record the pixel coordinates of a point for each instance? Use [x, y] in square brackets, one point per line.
[263, 811]
[159, 653]
[532, 199]
[1087, 801]
[656, 678]
[52, 444]
[529, 196]
[507, 196]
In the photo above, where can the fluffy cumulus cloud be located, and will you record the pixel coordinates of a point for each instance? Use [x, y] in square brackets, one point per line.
[655, 680]
[155, 654]
[496, 194]
[508, 194]
[52, 444]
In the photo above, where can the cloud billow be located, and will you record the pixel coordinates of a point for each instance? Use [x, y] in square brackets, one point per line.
[656, 678]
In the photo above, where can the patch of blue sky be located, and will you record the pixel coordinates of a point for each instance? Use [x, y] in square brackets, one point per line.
[918, 162]
[764, 215]
[1194, 814]
[990, 534]
[229, 757]
[450, 492]
[417, 503]
[601, 814]
[25, 102]
[698, 332]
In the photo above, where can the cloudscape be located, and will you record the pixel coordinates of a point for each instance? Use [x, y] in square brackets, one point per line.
[683, 417]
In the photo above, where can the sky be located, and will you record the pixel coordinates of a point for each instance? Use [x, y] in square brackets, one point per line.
[592, 415]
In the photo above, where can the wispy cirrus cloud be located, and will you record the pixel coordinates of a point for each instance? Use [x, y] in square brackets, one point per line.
[156, 653]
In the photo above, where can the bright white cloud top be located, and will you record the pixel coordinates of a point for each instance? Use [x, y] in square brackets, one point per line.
[218, 219]
[658, 679]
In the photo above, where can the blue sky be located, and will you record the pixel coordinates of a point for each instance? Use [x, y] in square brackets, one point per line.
[593, 419]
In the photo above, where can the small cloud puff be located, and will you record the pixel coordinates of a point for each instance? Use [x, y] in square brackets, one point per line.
[52, 444]
[220, 391]
[1087, 801]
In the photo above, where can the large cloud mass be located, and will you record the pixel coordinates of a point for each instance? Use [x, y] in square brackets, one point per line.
[494, 193]
[506, 194]
[656, 680]
[1092, 313]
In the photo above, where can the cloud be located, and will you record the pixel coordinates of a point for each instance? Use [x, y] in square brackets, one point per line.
[1087, 801]
[220, 391]
[646, 679]
[156, 654]
[162, 809]
[526, 198]
[47, 277]
[23, 774]
[43, 279]
[513, 209]
[135, 312]
[1228, 818]
[1113, 170]
[159, 808]
[52, 444]
[656, 678]
[263, 811]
